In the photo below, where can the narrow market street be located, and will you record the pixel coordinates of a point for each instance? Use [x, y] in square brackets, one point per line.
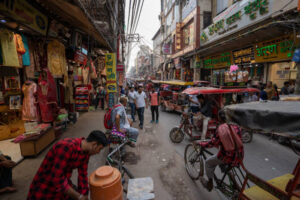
[215, 71]
[159, 158]
[164, 161]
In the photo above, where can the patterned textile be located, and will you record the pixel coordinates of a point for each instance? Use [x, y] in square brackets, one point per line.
[53, 177]
[29, 110]
[56, 58]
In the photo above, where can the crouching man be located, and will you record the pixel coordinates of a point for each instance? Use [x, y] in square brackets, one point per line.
[52, 181]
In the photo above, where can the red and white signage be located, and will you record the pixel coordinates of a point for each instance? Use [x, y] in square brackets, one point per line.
[120, 68]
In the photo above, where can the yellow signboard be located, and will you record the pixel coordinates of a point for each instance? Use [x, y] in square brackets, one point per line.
[23, 12]
[111, 74]
[278, 49]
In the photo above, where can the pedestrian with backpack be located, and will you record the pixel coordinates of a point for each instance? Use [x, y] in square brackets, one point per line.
[117, 120]
[155, 102]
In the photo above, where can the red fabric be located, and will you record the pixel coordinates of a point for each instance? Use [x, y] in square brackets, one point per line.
[53, 177]
[47, 98]
[229, 139]
[228, 157]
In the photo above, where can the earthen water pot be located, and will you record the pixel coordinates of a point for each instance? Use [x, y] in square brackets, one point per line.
[105, 184]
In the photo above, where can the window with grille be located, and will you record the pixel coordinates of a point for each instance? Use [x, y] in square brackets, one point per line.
[207, 19]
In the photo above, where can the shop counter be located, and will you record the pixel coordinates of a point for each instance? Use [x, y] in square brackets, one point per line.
[34, 145]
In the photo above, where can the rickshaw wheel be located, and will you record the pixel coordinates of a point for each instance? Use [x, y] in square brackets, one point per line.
[194, 163]
[246, 136]
[176, 135]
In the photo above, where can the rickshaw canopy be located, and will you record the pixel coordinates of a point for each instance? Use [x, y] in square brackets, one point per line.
[211, 90]
[201, 83]
[180, 83]
[155, 81]
[272, 116]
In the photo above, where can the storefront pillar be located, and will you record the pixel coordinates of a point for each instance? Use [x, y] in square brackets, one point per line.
[297, 83]
[197, 74]
[266, 67]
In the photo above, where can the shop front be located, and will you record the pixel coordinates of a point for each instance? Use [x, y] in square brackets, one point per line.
[187, 71]
[39, 72]
[277, 54]
[214, 68]
[177, 69]
[247, 68]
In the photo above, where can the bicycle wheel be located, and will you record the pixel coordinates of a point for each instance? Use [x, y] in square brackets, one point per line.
[228, 184]
[176, 135]
[193, 161]
[246, 136]
[295, 145]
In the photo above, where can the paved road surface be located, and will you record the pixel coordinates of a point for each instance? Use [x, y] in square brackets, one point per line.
[163, 160]
[264, 157]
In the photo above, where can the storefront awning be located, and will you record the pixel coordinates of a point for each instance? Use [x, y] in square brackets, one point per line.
[74, 16]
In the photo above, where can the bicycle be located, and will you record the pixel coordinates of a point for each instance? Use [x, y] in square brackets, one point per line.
[115, 157]
[228, 181]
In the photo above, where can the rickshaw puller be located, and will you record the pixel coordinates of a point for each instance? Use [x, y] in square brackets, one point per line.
[231, 150]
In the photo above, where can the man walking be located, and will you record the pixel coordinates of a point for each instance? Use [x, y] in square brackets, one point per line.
[155, 102]
[140, 103]
[52, 181]
[102, 95]
[131, 97]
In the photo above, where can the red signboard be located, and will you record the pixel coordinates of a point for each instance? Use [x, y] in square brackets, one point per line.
[120, 68]
[80, 57]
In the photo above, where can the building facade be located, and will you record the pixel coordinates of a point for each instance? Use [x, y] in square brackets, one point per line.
[203, 39]
[260, 42]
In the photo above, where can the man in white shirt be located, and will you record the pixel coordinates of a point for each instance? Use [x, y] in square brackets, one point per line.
[131, 97]
[140, 103]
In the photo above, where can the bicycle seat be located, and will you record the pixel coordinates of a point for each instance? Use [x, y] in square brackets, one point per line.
[115, 136]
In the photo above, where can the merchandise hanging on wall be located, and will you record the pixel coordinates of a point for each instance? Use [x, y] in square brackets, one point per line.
[12, 83]
[56, 58]
[15, 102]
[29, 110]
[9, 50]
[47, 96]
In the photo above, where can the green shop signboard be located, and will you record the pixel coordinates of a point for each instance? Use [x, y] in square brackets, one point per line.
[235, 18]
[217, 61]
[278, 49]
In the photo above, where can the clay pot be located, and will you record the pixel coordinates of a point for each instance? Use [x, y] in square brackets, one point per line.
[105, 184]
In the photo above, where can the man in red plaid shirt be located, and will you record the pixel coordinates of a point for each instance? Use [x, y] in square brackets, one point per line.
[231, 150]
[52, 181]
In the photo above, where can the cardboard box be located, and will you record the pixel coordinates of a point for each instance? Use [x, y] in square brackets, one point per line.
[34, 147]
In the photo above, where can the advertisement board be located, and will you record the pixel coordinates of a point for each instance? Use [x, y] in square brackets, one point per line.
[23, 12]
[236, 17]
[217, 61]
[277, 49]
[111, 74]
